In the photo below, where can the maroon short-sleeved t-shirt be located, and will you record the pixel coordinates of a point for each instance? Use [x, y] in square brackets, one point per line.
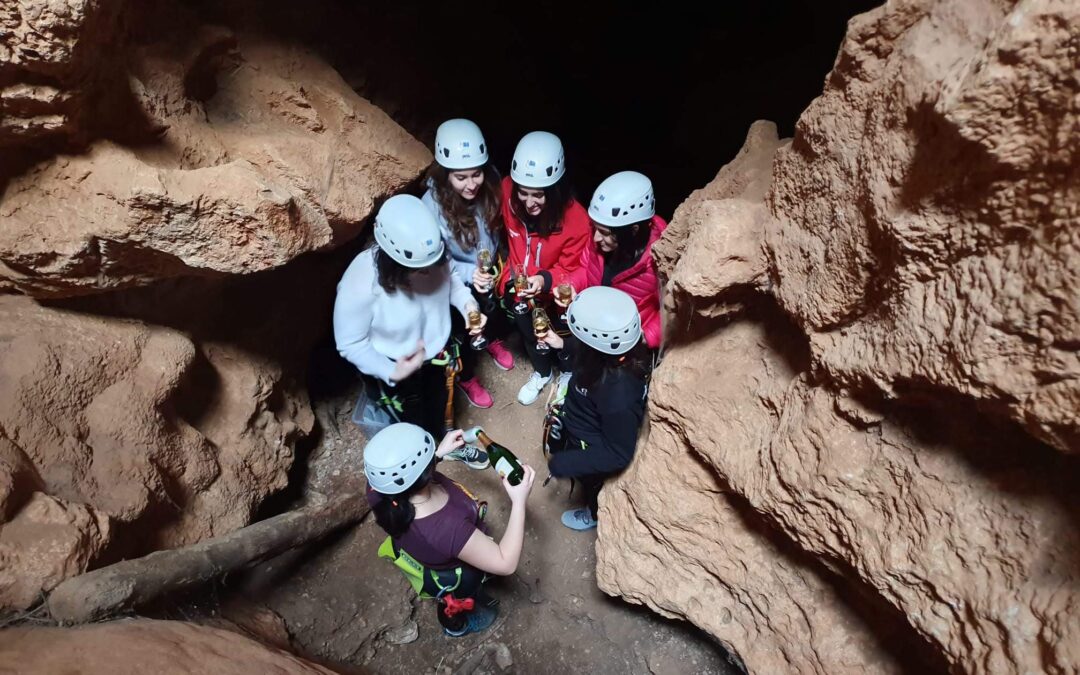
[437, 539]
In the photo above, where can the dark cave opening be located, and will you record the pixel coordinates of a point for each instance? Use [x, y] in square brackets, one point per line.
[669, 92]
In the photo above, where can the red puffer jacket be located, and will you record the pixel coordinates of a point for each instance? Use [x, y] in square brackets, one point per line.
[558, 254]
[639, 281]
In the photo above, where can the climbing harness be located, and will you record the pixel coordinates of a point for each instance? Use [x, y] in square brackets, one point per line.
[420, 577]
[431, 583]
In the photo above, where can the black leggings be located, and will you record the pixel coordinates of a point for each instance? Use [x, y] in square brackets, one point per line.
[559, 440]
[420, 398]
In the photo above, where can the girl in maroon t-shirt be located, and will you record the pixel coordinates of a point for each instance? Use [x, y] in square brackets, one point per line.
[437, 522]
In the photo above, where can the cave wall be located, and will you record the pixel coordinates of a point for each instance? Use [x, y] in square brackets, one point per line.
[889, 314]
[172, 190]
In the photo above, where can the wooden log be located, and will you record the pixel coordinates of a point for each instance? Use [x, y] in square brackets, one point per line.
[132, 583]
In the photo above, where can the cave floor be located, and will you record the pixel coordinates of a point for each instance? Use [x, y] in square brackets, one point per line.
[349, 609]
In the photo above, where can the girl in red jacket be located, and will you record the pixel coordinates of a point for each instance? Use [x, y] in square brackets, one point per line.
[546, 230]
[624, 228]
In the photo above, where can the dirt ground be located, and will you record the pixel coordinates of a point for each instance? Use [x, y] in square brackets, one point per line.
[347, 608]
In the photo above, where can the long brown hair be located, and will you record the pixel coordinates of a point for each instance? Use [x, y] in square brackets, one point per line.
[461, 213]
[557, 199]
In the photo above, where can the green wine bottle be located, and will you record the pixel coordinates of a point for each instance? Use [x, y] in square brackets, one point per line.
[506, 463]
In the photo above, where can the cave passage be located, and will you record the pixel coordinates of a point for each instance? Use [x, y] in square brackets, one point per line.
[666, 90]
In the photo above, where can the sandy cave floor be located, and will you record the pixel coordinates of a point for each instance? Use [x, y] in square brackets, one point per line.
[349, 609]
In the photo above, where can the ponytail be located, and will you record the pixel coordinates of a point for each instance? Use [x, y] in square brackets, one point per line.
[395, 513]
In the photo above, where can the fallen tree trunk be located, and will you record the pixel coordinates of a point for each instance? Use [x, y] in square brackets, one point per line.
[132, 583]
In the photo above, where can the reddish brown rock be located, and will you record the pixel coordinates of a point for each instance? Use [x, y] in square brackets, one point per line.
[721, 229]
[52, 53]
[261, 153]
[159, 403]
[930, 242]
[18, 479]
[136, 421]
[142, 646]
[44, 542]
[678, 523]
[921, 237]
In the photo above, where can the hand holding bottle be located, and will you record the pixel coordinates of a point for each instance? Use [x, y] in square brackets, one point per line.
[520, 493]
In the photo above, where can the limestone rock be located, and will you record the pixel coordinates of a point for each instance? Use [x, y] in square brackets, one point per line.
[892, 405]
[262, 153]
[927, 214]
[45, 542]
[51, 56]
[134, 647]
[135, 422]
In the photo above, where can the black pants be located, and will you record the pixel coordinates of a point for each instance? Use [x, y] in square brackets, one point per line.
[419, 398]
[469, 587]
[541, 361]
[559, 440]
[591, 486]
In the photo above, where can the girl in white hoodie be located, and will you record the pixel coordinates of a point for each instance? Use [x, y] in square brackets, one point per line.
[392, 313]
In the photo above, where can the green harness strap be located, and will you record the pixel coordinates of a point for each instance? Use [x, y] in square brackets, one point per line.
[414, 571]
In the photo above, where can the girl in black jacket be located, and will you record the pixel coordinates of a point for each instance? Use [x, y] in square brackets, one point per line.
[597, 428]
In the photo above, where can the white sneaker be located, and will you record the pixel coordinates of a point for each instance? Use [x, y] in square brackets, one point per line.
[531, 389]
[561, 387]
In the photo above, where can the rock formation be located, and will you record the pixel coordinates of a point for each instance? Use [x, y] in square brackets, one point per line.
[143, 646]
[258, 153]
[886, 426]
[51, 55]
[159, 201]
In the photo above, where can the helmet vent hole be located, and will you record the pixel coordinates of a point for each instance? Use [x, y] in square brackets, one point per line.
[407, 253]
[446, 152]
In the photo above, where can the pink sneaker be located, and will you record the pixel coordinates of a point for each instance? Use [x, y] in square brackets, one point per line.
[502, 356]
[475, 393]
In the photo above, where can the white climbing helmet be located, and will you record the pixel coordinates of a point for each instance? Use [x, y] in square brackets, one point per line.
[605, 319]
[407, 231]
[538, 160]
[623, 199]
[396, 456]
[460, 145]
